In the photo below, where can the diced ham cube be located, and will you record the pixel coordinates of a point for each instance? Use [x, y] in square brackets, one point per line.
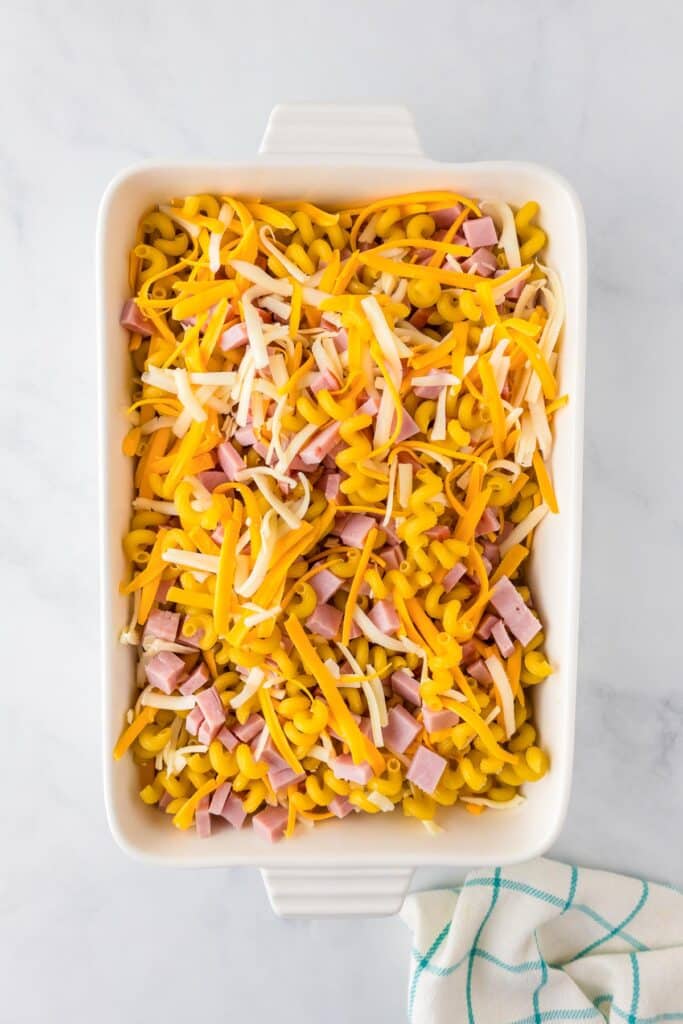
[340, 806]
[202, 819]
[453, 577]
[385, 617]
[193, 640]
[271, 823]
[212, 709]
[218, 534]
[233, 811]
[370, 407]
[195, 679]
[271, 756]
[344, 768]
[341, 340]
[508, 602]
[426, 769]
[406, 685]
[280, 778]
[227, 738]
[162, 590]
[481, 262]
[491, 551]
[331, 486]
[234, 337]
[444, 218]
[516, 287]
[206, 734]
[440, 532]
[435, 721]
[479, 671]
[486, 625]
[165, 670]
[326, 621]
[230, 459]
[212, 478]
[400, 730]
[245, 436]
[408, 427]
[252, 727]
[325, 584]
[218, 798]
[194, 720]
[321, 445]
[488, 523]
[392, 555]
[163, 625]
[324, 381]
[480, 231]
[469, 653]
[356, 529]
[164, 800]
[502, 638]
[132, 319]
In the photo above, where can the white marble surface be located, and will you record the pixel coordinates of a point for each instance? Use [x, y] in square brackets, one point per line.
[593, 90]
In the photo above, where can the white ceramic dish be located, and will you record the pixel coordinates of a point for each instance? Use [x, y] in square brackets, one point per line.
[361, 865]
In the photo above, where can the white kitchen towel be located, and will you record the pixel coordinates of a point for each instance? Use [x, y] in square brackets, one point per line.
[545, 941]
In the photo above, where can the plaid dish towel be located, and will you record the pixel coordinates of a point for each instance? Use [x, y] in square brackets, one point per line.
[544, 941]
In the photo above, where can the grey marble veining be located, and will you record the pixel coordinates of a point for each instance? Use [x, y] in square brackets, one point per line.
[592, 90]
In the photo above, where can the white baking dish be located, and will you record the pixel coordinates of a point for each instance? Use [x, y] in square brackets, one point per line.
[361, 865]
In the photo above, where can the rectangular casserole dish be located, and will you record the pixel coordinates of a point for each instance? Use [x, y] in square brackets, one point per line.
[363, 865]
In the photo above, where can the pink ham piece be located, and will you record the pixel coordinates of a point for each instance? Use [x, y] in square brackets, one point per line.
[341, 340]
[326, 621]
[212, 478]
[218, 798]
[385, 617]
[202, 818]
[444, 218]
[245, 436]
[356, 529]
[453, 577]
[469, 653]
[370, 406]
[516, 287]
[482, 262]
[486, 625]
[502, 638]
[194, 721]
[251, 728]
[230, 459]
[163, 589]
[234, 337]
[400, 730]
[324, 381]
[164, 800]
[271, 757]
[406, 685]
[163, 625]
[321, 445]
[508, 602]
[479, 671]
[480, 231]
[438, 533]
[195, 679]
[408, 427]
[280, 778]
[228, 739]
[331, 485]
[392, 555]
[205, 734]
[212, 709]
[233, 812]
[431, 391]
[325, 584]
[426, 769]
[491, 551]
[435, 721]
[218, 535]
[340, 806]
[487, 565]
[132, 319]
[488, 523]
[344, 768]
[271, 823]
[165, 670]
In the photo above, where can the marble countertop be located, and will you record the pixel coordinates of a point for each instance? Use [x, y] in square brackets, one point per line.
[89, 88]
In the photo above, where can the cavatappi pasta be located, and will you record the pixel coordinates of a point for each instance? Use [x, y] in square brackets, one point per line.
[341, 426]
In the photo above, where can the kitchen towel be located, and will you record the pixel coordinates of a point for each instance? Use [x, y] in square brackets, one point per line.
[545, 941]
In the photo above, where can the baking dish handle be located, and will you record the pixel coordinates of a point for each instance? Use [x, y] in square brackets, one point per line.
[312, 129]
[336, 892]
